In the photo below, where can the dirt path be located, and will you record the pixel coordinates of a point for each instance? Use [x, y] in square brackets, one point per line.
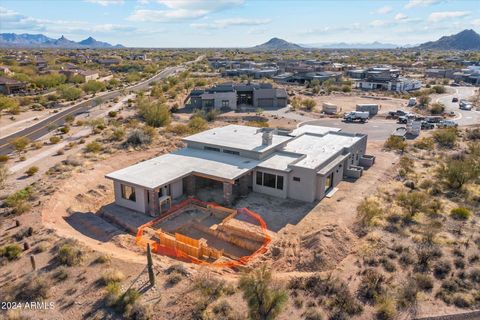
[56, 209]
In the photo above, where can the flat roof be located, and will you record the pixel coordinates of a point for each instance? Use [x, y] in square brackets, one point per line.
[313, 129]
[161, 170]
[280, 161]
[236, 137]
[319, 149]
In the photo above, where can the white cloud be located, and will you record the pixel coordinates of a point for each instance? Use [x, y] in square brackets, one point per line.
[105, 2]
[224, 23]
[443, 15]
[15, 21]
[183, 10]
[384, 10]
[400, 17]
[420, 3]
[476, 22]
[378, 23]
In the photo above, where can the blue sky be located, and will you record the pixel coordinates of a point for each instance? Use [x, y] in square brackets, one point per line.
[241, 23]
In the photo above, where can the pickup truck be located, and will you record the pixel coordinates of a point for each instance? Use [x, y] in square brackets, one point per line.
[447, 124]
[427, 125]
[361, 116]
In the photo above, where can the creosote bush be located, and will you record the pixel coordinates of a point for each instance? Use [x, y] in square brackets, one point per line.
[395, 143]
[460, 213]
[69, 255]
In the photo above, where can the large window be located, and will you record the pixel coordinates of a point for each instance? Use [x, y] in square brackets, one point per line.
[128, 192]
[231, 152]
[225, 104]
[269, 180]
[211, 149]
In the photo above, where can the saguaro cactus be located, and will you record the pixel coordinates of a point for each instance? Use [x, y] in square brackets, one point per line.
[32, 261]
[151, 275]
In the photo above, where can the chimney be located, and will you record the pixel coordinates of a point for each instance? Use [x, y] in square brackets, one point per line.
[267, 137]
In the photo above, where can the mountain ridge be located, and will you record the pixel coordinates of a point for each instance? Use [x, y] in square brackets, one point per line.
[42, 41]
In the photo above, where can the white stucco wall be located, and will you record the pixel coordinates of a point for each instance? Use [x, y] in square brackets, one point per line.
[139, 205]
[305, 189]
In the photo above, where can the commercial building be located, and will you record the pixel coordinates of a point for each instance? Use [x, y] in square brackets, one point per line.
[304, 164]
[237, 96]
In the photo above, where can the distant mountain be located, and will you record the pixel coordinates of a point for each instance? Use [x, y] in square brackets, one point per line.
[278, 44]
[465, 40]
[41, 41]
[344, 45]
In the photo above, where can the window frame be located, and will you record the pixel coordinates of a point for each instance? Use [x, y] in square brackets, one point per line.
[123, 191]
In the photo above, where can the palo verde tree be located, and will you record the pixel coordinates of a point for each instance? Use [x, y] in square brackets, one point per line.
[265, 301]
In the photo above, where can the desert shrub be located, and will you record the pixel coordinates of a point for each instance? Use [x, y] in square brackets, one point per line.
[474, 275]
[11, 105]
[4, 158]
[439, 89]
[212, 115]
[459, 263]
[222, 310]
[441, 269]
[111, 275]
[93, 86]
[112, 114]
[446, 137]
[424, 143]
[368, 210]
[436, 108]
[210, 286]
[258, 124]
[23, 233]
[197, 124]
[69, 93]
[371, 286]
[312, 314]
[137, 138]
[309, 104]
[19, 200]
[93, 147]
[412, 202]
[179, 129]
[20, 143]
[61, 274]
[127, 300]
[424, 282]
[460, 213]
[406, 259]
[11, 251]
[35, 288]
[473, 134]
[386, 309]
[395, 143]
[112, 293]
[457, 172]
[173, 279]
[426, 253]
[31, 171]
[388, 265]
[68, 255]
[54, 139]
[263, 299]
[154, 114]
[139, 311]
[462, 300]
[3, 175]
[103, 259]
[65, 129]
[117, 134]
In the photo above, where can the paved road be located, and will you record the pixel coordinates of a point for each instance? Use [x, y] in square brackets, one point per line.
[464, 117]
[40, 129]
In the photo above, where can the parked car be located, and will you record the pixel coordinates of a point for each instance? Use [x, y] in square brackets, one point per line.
[467, 107]
[434, 119]
[427, 125]
[447, 124]
[402, 119]
[455, 99]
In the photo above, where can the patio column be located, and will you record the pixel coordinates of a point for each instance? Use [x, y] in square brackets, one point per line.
[190, 185]
[243, 184]
[227, 193]
[153, 205]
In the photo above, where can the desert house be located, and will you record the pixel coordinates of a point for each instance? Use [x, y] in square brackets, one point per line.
[304, 164]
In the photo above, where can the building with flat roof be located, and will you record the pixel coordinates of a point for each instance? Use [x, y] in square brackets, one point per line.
[383, 78]
[304, 164]
[236, 96]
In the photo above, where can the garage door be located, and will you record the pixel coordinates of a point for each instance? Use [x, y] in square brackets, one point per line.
[265, 103]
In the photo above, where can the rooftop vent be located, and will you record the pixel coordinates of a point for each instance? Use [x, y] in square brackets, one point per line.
[267, 138]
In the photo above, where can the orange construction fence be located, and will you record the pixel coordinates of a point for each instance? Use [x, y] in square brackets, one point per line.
[190, 250]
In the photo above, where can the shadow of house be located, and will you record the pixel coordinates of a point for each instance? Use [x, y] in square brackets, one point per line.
[92, 226]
